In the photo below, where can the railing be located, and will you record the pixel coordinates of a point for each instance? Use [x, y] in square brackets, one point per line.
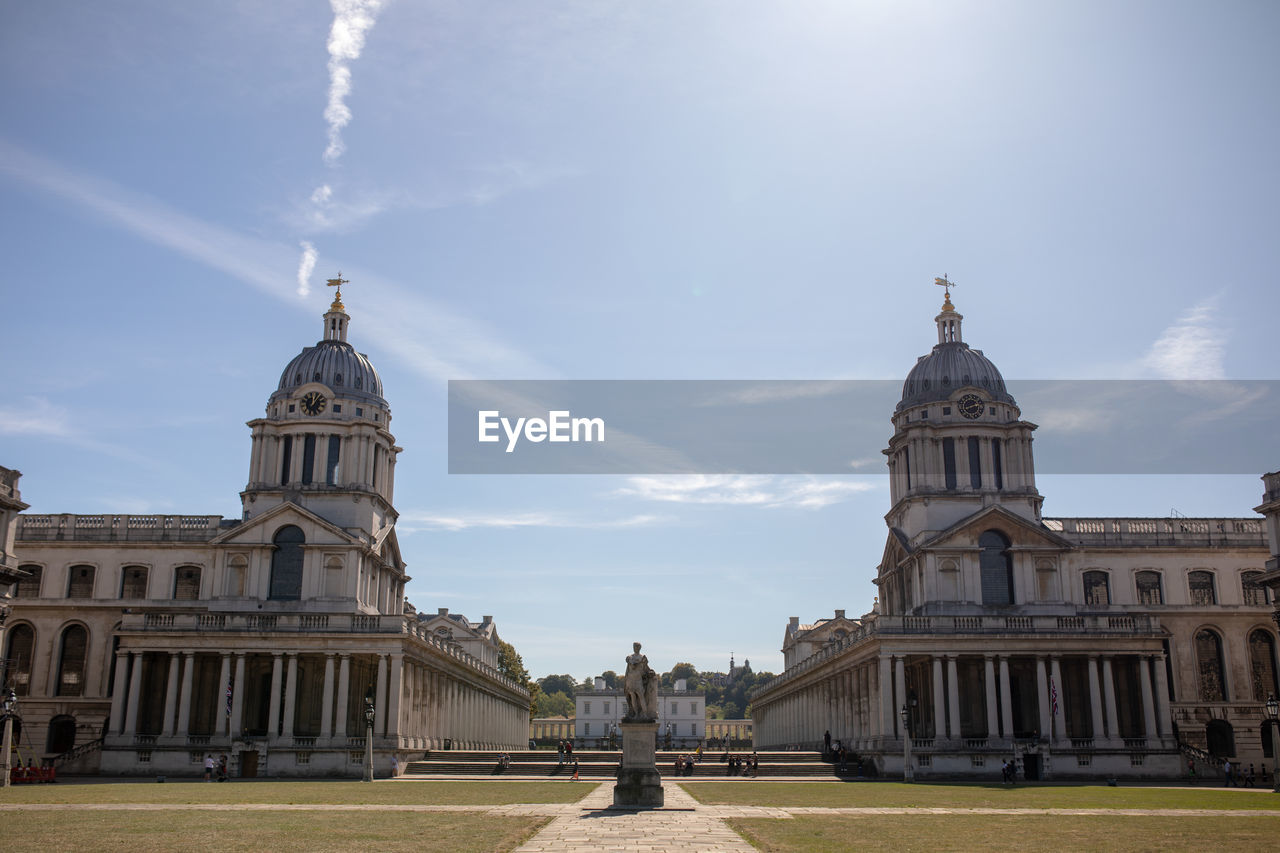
[1160, 531]
[304, 742]
[202, 621]
[976, 743]
[922, 743]
[122, 528]
[1135, 743]
[1082, 743]
[198, 740]
[144, 740]
[78, 751]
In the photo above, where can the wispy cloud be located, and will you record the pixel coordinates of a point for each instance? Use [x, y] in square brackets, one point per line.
[352, 20]
[746, 490]
[306, 264]
[411, 521]
[1194, 347]
[34, 416]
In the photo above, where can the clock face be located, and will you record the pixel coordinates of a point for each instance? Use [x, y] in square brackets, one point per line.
[971, 406]
[313, 403]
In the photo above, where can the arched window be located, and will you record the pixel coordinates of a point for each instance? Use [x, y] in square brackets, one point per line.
[62, 734]
[996, 565]
[1221, 738]
[1097, 588]
[80, 581]
[133, 582]
[1255, 594]
[286, 563]
[1150, 590]
[1262, 664]
[29, 587]
[1209, 660]
[75, 643]
[1201, 585]
[186, 583]
[22, 639]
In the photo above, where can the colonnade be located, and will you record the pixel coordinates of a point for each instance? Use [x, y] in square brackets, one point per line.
[444, 709]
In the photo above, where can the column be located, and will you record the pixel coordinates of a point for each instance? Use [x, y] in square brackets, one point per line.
[219, 699]
[380, 724]
[1006, 707]
[135, 691]
[344, 690]
[1148, 700]
[237, 699]
[170, 694]
[1042, 689]
[1060, 716]
[393, 697]
[326, 698]
[939, 700]
[1109, 700]
[273, 714]
[989, 679]
[1163, 718]
[184, 705]
[119, 701]
[900, 688]
[953, 697]
[290, 696]
[1095, 699]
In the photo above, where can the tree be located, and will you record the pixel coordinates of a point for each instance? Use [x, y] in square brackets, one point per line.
[611, 679]
[683, 670]
[565, 684]
[511, 665]
[556, 704]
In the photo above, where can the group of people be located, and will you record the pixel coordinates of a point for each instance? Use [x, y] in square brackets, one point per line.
[564, 751]
[1008, 772]
[210, 765]
[1234, 775]
[741, 765]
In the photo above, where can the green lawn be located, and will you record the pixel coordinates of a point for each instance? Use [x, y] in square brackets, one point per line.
[898, 794]
[344, 793]
[279, 832]
[1029, 834]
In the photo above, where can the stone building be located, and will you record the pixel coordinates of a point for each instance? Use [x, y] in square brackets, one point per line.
[139, 643]
[682, 713]
[1084, 646]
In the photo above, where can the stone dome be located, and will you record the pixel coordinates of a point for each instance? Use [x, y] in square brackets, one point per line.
[950, 367]
[337, 365]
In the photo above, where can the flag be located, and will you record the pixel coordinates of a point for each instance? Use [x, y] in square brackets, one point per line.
[1053, 697]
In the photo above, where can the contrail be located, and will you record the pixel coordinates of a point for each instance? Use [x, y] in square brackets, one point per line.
[305, 266]
[352, 20]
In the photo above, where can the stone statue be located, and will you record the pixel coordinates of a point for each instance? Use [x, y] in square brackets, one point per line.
[641, 686]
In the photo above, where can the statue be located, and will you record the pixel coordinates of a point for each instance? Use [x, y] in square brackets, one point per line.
[641, 686]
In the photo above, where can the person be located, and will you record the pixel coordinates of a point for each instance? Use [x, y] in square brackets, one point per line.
[560, 753]
[395, 767]
[1250, 777]
[504, 760]
[222, 768]
[208, 767]
[575, 771]
[755, 764]
[826, 742]
[698, 752]
[1191, 769]
[844, 759]
[1226, 773]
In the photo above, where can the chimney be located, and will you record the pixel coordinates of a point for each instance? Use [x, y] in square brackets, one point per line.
[487, 619]
[681, 685]
[795, 621]
[443, 611]
[599, 683]
[839, 614]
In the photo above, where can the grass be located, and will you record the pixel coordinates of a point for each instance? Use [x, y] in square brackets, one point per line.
[900, 795]
[1027, 834]
[272, 793]
[280, 832]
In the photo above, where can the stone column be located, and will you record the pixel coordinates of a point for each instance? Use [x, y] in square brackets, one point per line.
[953, 698]
[1163, 717]
[1148, 701]
[1006, 699]
[170, 695]
[326, 698]
[273, 713]
[989, 680]
[1059, 718]
[380, 724]
[222, 726]
[393, 697]
[184, 704]
[1095, 699]
[939, 700]
[237, 699]
[290, 696]
[135, 692]
[1042, 699]
[1109, 700]
[344, 690]
[119, 699]
[900, 687]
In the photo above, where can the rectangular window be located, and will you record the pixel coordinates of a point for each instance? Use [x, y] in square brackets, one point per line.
[331, 464]
[996, 463]
[949, 462]
[586, 708]
[308, 458]
[80, 584]
[606, 709]
[906, 464]
[975, 464]
[586, 728]
[134, 582]
[286, 460]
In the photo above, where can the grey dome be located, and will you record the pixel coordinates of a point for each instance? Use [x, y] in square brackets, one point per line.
[950, 367]
[336, 364]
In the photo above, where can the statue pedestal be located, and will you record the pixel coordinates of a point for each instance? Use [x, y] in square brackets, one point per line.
[639, 785]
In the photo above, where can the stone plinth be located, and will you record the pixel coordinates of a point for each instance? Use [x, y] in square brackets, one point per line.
[639, 785]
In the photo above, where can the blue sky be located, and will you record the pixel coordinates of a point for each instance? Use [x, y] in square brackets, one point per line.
[606, 190]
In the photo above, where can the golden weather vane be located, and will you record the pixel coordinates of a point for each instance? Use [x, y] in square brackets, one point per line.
[337, 295]
[946, 285]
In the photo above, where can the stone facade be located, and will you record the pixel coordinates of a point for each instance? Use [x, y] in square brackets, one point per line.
[1085, 647]
[162, 638]
[599, 712]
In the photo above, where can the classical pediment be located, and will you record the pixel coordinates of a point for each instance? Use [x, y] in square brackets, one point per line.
[1023, 532]
[262, 530]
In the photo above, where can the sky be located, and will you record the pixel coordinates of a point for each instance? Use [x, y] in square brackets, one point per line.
[609, 190]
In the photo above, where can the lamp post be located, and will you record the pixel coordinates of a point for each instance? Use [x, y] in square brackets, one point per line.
[10, 700]
[1273, 709]
[368, 738]
[908, 775]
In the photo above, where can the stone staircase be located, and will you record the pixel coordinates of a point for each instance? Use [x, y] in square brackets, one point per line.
[599, 764]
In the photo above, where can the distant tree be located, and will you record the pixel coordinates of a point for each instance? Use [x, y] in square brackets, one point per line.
[566, 684]
[556, 704]
[731, 711]
[611, 679]
[511, 665]
[683, 670]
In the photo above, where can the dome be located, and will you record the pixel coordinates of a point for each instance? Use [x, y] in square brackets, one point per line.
[337, 365]
[950, 367]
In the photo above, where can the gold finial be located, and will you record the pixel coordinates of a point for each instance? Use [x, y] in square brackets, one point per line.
[946, 285]
[337, 294]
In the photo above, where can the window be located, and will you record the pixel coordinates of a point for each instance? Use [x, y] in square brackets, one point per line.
[1209, 663]
[62, 734]
[75, 643]
[22, 639]
[673, 709]
[1262, 664]
[586, 708]
[606, 709]
[1150, 590]
[997, 465]
[586, 728]
[1201, 585]
[29, 587]
[186, 583]
[1255, 594]
[996, 568]
[80, 581]
[1097, 588]
[949, 461]
[286, 458]
[286, 564]
[906, 464]
[975, 463]
[308, 458]
[331, 463]
[133, 582]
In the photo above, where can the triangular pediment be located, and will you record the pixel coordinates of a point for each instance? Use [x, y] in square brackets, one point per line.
[1023, 531]
[261, 530]
[897, 547]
